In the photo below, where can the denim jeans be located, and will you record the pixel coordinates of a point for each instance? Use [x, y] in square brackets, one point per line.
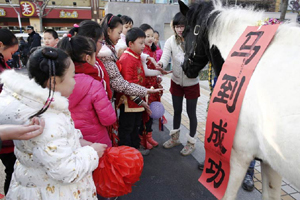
[251, 168]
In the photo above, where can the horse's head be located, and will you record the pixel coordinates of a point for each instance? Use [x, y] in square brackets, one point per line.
[197, 48]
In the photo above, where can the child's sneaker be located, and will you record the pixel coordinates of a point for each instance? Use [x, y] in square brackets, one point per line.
[189, 147]
[143, 151]
[174, 140]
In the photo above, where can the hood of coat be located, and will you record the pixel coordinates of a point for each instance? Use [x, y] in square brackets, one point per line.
[81, 89]
[105, 52]
[19, 84]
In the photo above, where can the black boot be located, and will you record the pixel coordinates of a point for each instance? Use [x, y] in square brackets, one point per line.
[248, 183]
[201, 165]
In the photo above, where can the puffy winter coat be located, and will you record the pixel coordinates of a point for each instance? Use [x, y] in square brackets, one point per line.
[52, 165]
[174, 51]
[91, 109]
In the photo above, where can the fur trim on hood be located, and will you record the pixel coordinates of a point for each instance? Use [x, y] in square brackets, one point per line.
[19, 84]
[104, 52]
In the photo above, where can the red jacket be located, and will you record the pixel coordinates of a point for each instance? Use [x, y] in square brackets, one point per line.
[132, 70]
[91, 109]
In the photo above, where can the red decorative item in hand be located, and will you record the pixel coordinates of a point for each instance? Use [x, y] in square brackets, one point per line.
[119, 168]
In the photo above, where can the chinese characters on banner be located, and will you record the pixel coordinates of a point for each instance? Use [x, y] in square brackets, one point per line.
[29, 9]
[226, 102]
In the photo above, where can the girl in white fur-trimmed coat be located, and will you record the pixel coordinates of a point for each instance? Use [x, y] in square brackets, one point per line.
[53, 165]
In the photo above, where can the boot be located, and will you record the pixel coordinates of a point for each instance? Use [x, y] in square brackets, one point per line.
[143, 151]
[248, 183]
[151, 140]
[174, 140]
[201, 165]
[144, 142]
[189, 147]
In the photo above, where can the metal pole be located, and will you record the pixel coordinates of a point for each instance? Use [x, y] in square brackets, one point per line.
[19, 18]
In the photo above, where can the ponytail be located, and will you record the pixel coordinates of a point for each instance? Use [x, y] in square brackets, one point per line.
[76, 47]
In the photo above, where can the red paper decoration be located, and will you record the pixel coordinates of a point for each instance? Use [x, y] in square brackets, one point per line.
[119, 168]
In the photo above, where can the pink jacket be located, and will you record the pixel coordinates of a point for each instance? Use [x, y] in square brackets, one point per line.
[158, 53]
[91, 110]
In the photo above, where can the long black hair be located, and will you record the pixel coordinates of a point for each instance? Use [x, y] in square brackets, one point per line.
[126, 19]
[88, 28]
[110, 21]
[77, 47]
[43, 64]
[146, 27]
[8, 38]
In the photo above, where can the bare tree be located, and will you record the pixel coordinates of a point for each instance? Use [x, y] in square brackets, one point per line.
[42, 5]
[284, 6]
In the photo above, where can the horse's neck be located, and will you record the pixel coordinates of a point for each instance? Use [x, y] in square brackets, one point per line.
[229, 25]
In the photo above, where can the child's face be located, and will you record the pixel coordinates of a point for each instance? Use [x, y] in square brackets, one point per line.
[156, 38]
[126, 27]
[49, 40]
[137, 46]
[149, 37]
[65, 84]
[7, 53]
[114, 34]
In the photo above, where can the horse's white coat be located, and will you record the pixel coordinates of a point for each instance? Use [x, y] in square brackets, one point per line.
[269, 122]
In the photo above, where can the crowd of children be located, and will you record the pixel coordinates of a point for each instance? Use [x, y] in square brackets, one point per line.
[115, 66]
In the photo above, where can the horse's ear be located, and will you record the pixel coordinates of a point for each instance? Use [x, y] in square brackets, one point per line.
[183, 8]
[217, 3]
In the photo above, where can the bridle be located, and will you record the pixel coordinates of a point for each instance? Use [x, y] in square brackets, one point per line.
[193, 57]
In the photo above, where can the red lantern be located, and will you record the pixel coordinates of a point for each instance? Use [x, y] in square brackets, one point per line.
[119, 168]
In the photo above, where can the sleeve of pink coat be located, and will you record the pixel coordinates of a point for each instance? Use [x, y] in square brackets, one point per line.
[102, 105]
[158, 54]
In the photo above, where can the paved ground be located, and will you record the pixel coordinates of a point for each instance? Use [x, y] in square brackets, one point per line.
[168, 175]
[165, 179]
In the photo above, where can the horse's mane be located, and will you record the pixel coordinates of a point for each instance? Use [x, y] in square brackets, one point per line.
[231, 17]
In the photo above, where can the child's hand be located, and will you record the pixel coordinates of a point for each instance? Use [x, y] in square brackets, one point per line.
[152, 60]
[22, 132]
[100, 148]
[150, 91]
[84, 142]
[147, 108]
[159, 80]
[120, 52]
[159, 64]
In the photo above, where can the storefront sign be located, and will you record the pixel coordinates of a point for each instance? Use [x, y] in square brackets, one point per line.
[2, 12]
[68, 14]
[226, 102]
[29, 9]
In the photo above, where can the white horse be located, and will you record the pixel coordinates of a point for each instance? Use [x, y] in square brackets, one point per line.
[269, 122]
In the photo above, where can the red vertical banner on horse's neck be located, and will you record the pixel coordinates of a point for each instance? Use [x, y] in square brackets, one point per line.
[226, 102]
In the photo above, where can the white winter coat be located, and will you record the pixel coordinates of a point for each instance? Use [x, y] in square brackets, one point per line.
[52, 165]
[174, 51]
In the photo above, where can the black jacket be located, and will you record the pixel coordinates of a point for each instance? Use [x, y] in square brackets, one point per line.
[34, 40]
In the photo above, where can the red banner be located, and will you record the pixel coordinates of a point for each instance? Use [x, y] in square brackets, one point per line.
[226, 102]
